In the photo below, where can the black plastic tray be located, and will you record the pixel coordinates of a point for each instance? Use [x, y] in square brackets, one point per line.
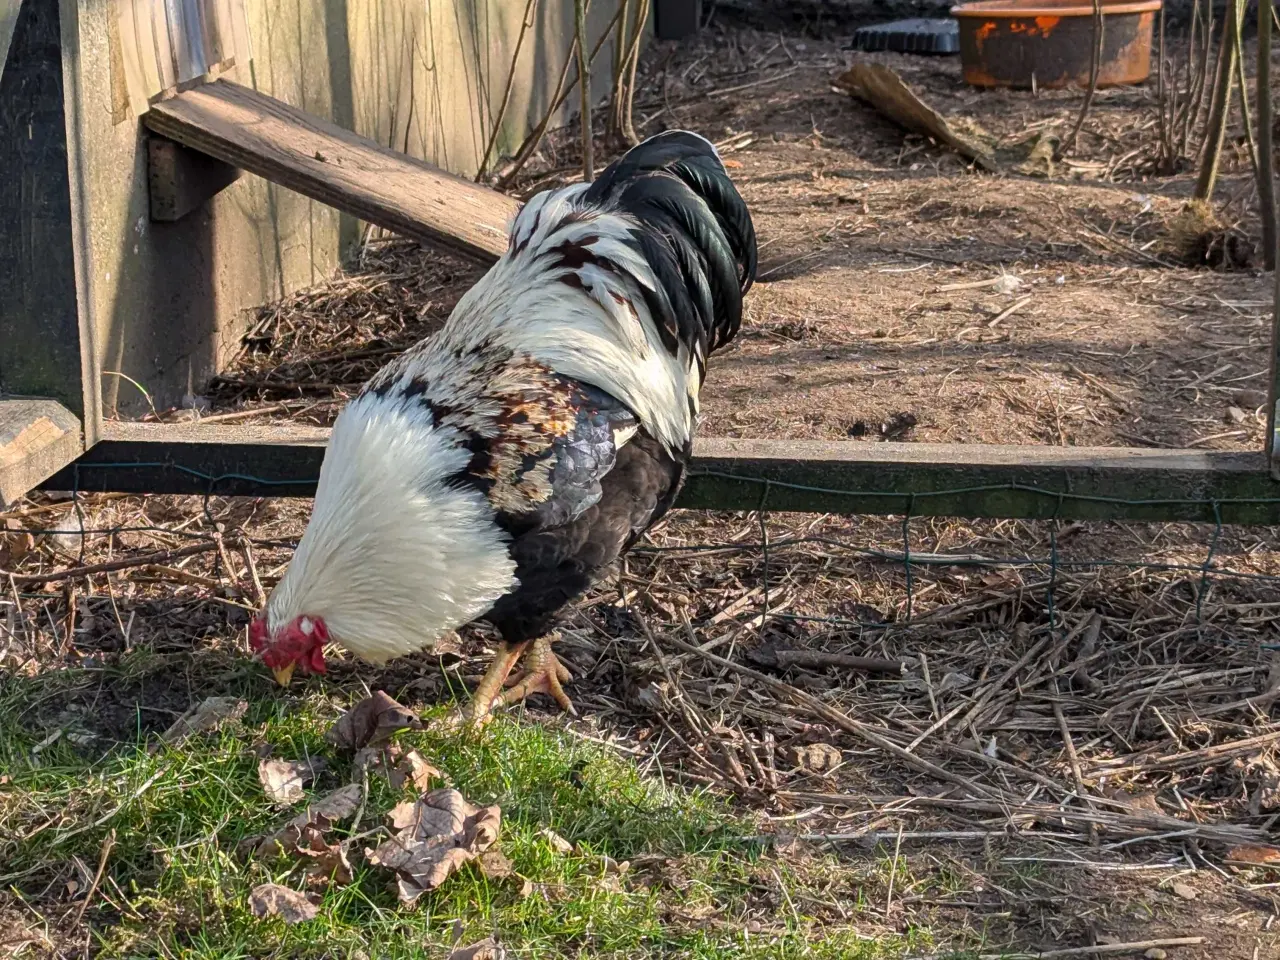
[910, 36]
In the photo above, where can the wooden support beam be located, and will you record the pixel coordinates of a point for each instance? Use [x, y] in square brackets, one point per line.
[181, 180]
[254, 132]
[1095, 483]
[44, 326]
[37, 439]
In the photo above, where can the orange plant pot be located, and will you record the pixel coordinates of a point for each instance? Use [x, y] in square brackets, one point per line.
[1049, 43]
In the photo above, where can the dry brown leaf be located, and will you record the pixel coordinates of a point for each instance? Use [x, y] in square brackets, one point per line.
[487, 949]
[304, 834]
[412, 768]
[373, 721]
[206, 716]
[1255, 854]
[273, 900]
[435, 836]
[283, 780]
[328, 863]
[400, 766]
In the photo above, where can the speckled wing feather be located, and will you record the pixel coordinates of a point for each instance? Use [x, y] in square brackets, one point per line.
[539, 442]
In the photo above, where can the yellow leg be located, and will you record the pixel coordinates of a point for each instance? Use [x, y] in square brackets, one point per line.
[488, 693]
[543, 673]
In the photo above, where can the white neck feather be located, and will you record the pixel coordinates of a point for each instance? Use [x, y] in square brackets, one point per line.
[393, 555]
[601, 334]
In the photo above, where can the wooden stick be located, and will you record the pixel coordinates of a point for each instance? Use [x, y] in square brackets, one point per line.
[613, 125]
[817, 658]
[1190, 758]
[1134, 946]
[1009, 311]
[148, 559]
[1245, 117]
[633, 61]
[259, 594]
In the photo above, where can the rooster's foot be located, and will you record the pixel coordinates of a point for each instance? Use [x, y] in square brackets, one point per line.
[543, 673]
[488, 694]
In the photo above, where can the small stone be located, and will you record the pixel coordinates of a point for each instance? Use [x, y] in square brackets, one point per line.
[1236, 415]
[1155, 953]
[1183, 890]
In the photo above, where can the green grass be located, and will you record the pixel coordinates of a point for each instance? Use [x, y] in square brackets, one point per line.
[174, 886]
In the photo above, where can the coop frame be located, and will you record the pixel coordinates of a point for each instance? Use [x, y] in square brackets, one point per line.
[200, 144]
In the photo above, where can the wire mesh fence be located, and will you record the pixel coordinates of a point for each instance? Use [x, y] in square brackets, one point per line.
[1049, 566]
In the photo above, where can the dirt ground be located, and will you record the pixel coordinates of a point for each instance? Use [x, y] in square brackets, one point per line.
[872, 242]
[1077, 754]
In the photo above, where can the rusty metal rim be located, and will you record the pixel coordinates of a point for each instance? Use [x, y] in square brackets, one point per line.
[1011, 9]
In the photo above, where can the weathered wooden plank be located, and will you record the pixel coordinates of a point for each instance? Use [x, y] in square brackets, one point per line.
[180, 179]
[39, 320]
[37, 438]
[675, 19]
[8, 20]
[879, 478]
[316, 158]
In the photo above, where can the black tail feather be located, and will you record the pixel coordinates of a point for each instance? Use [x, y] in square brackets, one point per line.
[695, 231]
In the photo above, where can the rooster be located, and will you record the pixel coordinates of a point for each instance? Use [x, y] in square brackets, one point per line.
[498, 468]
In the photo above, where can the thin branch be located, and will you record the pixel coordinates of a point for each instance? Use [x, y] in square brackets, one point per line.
[618, 90]
[530, 8]
[1095, 65]
[584, 88]
[163, 556]
[563, 89]
[1267, 199]
[1220, 109]
[1266, 137]
[1245, 115]
[633, 61]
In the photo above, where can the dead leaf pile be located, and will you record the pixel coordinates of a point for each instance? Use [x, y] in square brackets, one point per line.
[304, 838]
[435, 835]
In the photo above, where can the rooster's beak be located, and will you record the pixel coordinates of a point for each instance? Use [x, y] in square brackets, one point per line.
[283, 674]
